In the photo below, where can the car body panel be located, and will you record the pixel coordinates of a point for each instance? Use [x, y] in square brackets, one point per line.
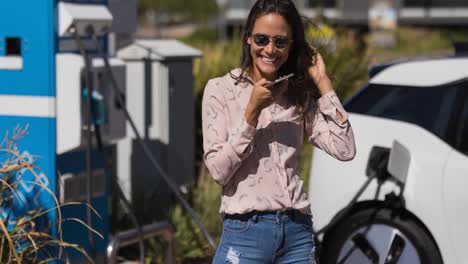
[334, 183]
[455, 196]
[410, 73]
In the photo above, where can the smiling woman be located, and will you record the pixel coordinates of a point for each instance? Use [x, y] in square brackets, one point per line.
[253, 129]
[268, 56]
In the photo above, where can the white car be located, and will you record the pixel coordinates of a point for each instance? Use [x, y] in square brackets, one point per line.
[420, 107]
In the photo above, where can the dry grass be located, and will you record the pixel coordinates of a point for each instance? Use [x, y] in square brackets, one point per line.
[25, 237]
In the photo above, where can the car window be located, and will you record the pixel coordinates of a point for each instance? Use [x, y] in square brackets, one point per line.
[428, 107]
[434, 3]
[463, 132]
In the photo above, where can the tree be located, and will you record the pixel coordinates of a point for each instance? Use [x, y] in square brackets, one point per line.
[187, 10]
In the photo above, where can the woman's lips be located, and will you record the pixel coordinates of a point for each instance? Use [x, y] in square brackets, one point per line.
[268, 60]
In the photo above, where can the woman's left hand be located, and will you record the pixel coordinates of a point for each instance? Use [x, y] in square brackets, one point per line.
[318, 72]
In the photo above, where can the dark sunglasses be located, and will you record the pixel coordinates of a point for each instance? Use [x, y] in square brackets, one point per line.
[262, 40]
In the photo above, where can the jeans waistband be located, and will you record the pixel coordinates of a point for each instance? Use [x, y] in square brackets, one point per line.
[293, 214]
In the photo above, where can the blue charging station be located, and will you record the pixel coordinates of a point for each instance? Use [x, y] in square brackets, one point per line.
[42, 88]
[27, 88]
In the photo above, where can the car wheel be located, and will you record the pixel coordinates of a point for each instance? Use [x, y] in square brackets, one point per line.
[379, 236]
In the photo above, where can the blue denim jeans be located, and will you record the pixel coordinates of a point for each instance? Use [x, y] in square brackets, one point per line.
[266, 237]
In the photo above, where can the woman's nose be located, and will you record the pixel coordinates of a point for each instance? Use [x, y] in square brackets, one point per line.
[270, 48]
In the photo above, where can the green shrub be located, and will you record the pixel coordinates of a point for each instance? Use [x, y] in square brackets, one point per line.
[190, 243]
[409, 42]
[346, 63]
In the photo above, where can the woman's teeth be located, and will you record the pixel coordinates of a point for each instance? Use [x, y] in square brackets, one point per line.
[268, 60]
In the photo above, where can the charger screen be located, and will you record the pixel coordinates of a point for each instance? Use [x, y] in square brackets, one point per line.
[13, 46]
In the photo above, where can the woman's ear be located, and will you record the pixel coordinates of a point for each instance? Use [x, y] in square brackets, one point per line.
[249, 41]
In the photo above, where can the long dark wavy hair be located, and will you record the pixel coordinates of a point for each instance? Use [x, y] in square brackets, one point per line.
[300, 58]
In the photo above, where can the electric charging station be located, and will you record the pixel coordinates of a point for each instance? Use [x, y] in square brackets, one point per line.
[160, 74]
[43, 86]
[58, 78]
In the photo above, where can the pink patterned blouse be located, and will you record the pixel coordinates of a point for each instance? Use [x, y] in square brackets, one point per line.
[258, 167]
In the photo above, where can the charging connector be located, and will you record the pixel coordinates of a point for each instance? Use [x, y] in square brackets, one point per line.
[78, 18]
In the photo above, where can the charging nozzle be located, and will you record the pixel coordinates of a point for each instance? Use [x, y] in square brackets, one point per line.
[80, 18]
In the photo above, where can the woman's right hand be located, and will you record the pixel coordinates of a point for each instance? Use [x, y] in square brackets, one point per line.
[261, 97]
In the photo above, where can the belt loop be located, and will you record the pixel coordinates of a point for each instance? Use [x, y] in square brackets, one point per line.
[255, 217]
[295, 215]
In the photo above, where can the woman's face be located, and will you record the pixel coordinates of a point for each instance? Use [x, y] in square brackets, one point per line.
[267, 59]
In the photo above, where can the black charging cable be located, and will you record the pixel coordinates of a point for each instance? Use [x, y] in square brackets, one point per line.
[172, 185]
[381, 174]
[97, 132]
[122, 198]
[125, 203]
[347, 209]
[89, 113]
[370, 252]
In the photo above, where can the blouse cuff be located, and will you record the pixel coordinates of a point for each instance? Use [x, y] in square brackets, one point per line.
[328, 105]
[242, 141]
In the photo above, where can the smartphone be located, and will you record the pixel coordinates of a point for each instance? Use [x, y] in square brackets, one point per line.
[285, 77]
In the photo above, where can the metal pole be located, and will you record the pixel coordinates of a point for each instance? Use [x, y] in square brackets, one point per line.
[132, 236]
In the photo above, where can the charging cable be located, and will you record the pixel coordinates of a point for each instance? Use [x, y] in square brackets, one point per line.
[89, 111]
[97, 132]
[172, 185]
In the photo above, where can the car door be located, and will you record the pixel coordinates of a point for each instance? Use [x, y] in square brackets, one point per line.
[456, 184]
